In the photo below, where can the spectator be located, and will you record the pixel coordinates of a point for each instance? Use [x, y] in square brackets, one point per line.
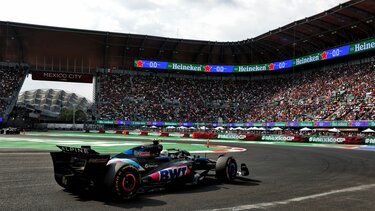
[10, 83]
[343, 93]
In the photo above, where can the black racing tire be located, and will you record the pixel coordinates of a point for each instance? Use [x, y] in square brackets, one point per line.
[226, 169]
[63, 182]
[126, 182]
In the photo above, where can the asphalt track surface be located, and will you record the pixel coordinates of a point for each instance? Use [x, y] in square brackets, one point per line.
[281, 178]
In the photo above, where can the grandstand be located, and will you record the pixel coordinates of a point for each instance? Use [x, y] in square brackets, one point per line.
[342, 93]
[11, 80]
[279, 76]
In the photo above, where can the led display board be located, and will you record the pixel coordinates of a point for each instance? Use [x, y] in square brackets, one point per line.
[273, 66]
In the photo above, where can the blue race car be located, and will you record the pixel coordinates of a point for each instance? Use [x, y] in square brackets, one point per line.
[140, 169]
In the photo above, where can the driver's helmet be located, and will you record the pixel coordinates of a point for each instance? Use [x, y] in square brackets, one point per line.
[153, 149]
[164, 152]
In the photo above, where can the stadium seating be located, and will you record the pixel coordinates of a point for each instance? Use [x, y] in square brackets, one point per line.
[11, 81]
[340, 93]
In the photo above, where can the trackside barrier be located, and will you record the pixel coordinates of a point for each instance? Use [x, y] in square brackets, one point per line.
[180, 135]
[205, 135]
[336, 139]
[255, 137]
[137, 133]
[299, 138]
[164, 134]
[235, 136]
[283, 138]
[370, 140]
[251, 137]
[185, 135]
[143, 133]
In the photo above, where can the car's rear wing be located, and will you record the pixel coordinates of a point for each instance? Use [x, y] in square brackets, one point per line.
[78, 165]
[75, 150]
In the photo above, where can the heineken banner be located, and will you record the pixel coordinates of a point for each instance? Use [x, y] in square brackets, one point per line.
[306, 124]
[138, 123]
[362, 46]
[273, 66]
[340, 123]
[105, 122]
[356, 123]
[170, 123]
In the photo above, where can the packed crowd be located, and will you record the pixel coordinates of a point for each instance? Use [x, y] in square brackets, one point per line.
[342, 93]
[9, 82]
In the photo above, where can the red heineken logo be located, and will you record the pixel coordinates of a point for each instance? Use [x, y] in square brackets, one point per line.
[207, 68]
[324, 55]
[271, 66]
[140, 63]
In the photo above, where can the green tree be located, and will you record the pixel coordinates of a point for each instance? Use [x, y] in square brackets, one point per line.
[80, 116]
[66, 115]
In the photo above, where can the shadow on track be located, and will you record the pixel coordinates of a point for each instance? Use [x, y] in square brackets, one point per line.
[144, 200]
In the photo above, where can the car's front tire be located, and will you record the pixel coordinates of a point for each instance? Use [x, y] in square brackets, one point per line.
[226, 169]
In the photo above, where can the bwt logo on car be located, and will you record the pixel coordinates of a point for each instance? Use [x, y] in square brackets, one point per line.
[170, 173]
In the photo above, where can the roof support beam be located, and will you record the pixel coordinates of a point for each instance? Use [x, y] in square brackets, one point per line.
[106, 46]
[325, 25]
[175, 52]
[161, 49]
[125, 50]
[200, 52]
[141, 47]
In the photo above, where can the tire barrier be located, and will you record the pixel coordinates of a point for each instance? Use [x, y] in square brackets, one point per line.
[353, 140]
[251, 137]
[164, 134]
[185, 135]
[118, 132]
[143, 133]
[205, 135]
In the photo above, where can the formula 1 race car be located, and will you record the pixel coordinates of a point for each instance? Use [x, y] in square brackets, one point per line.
[140, 169]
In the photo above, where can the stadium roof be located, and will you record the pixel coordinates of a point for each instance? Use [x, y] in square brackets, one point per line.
[74, 50]
[53, 100]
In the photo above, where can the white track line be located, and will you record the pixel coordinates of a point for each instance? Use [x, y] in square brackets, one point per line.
[298, 199]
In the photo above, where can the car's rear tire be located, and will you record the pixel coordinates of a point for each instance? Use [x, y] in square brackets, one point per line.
[226, 169]
[59, 180]
[65, 183]
[127, 181]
